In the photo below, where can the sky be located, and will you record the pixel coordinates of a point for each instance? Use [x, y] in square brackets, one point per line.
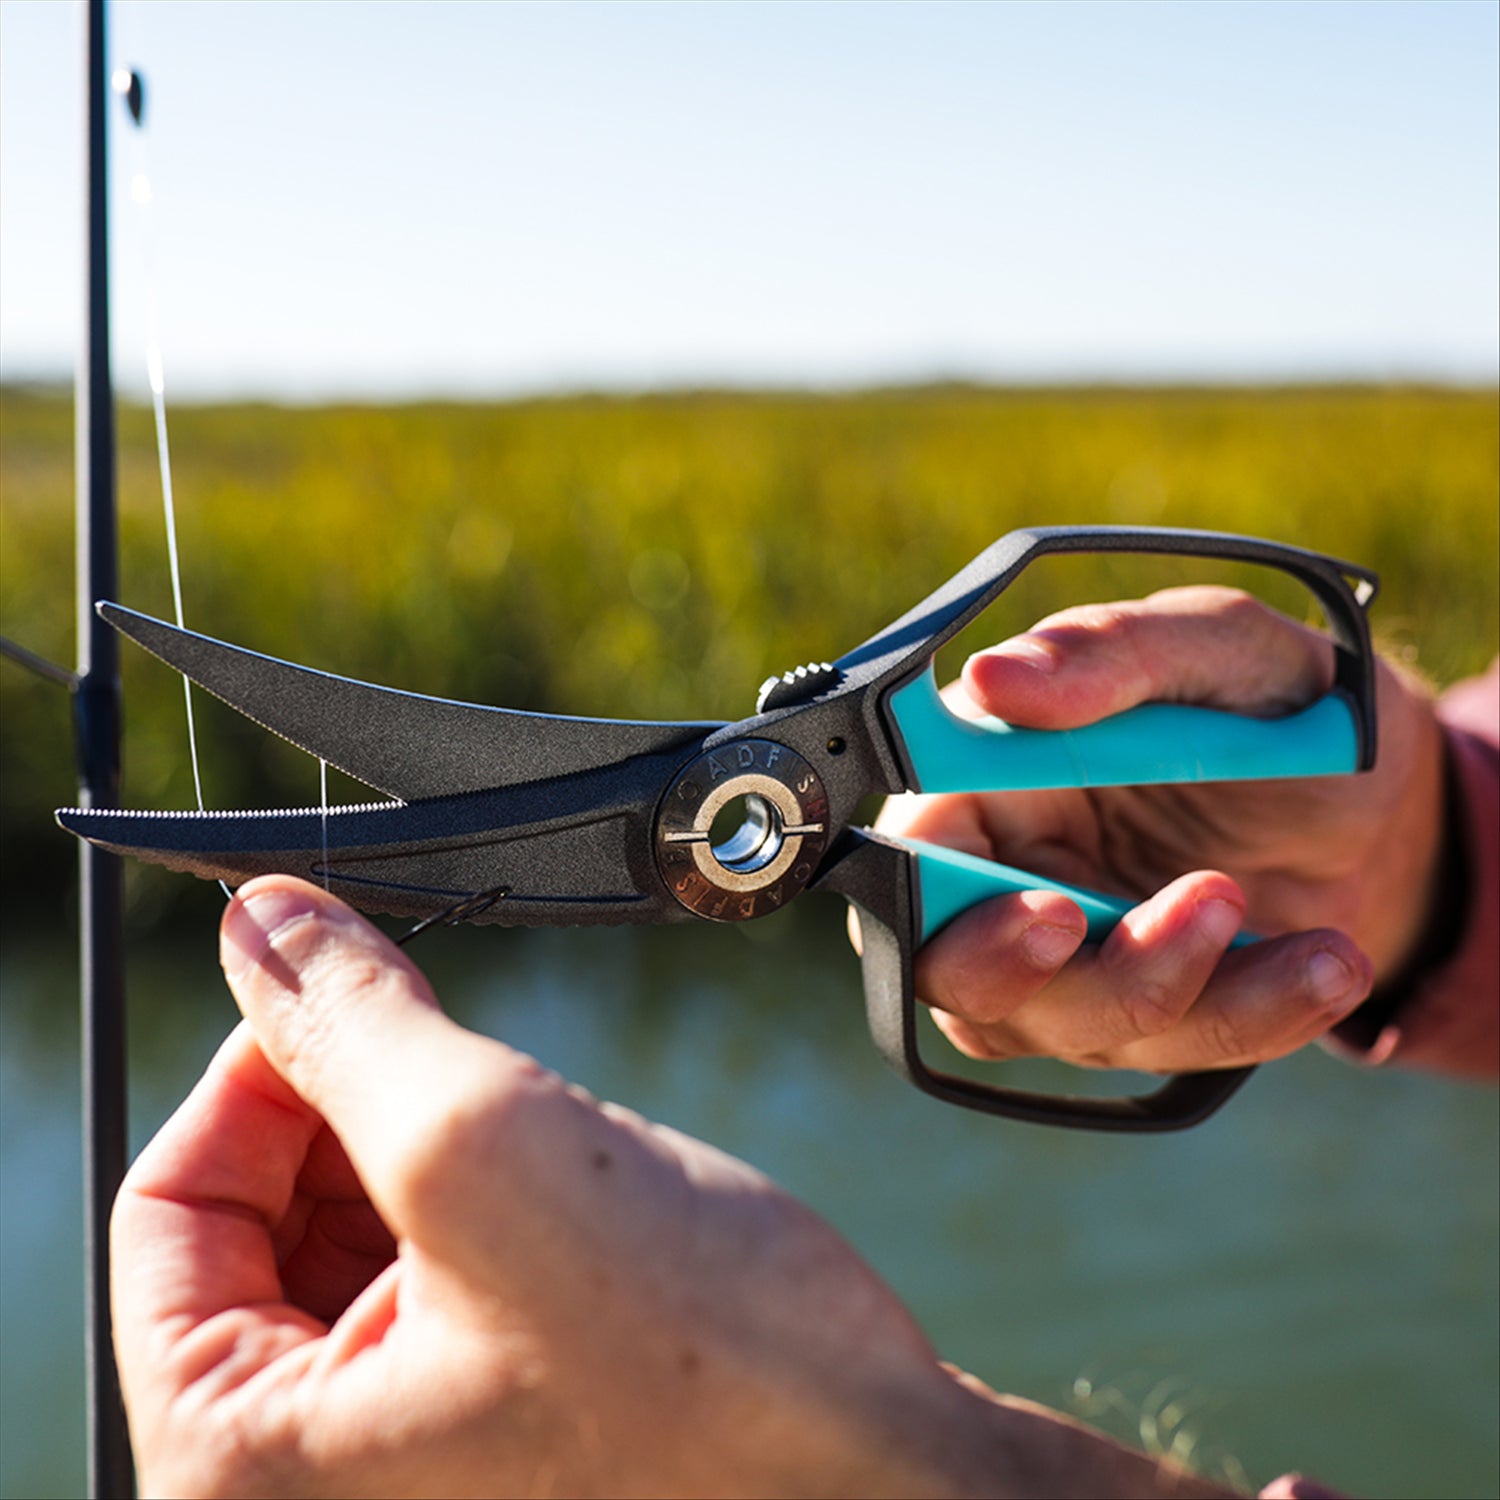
[390, 200]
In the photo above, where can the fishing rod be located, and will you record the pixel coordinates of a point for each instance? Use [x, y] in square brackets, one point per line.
[97, 702]
[97, 719]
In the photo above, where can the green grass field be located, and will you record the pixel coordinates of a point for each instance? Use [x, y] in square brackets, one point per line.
[660, 555]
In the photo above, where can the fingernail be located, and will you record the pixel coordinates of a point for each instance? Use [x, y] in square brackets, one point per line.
[1298, 1487]
[250, 924]
[1049, 946]
[1331, 980]
[1218, 921]
[1030, 650]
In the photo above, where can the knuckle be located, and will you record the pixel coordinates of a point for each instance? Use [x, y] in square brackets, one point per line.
[239, 1472]
[1150, 1006]
[1112, 637]
[951, 994]
[1216, 599]
[333, 986]
[1104, 1057]
[462, 1145]
[1101, 625]
[1235, 606]
[949, 980]
[969, 992]
[982, 1043]
[1227, 1036]
[228, 1458]
[1240, 618]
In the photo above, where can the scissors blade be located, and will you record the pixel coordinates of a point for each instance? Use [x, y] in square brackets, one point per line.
[405, 744]
[569, 851]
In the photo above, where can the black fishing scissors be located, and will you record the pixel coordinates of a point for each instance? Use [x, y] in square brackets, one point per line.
[536, 820]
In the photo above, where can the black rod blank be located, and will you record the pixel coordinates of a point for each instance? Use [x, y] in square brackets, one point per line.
[97, 721]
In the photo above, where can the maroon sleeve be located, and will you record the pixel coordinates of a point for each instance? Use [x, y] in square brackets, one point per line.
[1449, 1018]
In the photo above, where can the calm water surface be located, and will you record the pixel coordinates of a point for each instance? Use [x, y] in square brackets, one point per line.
[1308, 1281]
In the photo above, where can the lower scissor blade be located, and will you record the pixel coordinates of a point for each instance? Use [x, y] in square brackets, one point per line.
[575, 854]
[405, 744]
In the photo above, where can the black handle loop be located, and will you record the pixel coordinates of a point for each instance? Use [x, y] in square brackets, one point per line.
[903, 649]
[880, 877]
[877, 877]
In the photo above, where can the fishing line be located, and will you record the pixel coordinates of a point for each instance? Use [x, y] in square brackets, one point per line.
[323, 808]
[130, 85]
[463, 910]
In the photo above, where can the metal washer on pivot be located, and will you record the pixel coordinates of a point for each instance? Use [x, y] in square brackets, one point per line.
[752, 868]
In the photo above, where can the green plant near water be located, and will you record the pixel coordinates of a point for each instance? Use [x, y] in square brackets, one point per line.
[659, 555]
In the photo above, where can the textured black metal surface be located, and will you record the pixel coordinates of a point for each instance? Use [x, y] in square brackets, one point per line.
[570, 850]
[404, 744]
[568, 816]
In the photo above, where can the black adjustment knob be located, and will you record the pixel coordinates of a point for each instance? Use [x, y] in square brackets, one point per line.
[799, 686]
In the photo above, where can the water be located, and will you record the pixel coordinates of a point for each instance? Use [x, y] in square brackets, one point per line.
[1308, 1281]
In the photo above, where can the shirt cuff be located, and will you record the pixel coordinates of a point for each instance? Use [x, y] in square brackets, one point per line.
[1447, 1018]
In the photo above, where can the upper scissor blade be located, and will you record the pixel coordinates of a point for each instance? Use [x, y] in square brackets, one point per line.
[405, 744]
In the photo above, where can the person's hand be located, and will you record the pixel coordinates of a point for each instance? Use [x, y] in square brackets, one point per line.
[375, 1254]
[1338, 873]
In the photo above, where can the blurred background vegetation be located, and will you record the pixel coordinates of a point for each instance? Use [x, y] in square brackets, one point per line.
[658, 556]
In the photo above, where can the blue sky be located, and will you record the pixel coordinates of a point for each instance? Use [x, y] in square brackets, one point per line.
[397, 199]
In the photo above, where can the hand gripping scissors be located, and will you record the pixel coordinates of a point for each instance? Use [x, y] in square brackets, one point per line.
[538, 820]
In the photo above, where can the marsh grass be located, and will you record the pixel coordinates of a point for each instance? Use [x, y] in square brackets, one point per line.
[658, 556]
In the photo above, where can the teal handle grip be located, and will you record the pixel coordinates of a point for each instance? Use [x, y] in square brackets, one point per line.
[949, 883]
[1150, 745]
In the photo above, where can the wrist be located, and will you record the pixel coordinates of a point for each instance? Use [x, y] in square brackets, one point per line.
[1436, 895]
[964, 1439]
[1405, 900]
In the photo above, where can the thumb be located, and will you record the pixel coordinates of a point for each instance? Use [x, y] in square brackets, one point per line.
[353, 1026]
[1214, 646]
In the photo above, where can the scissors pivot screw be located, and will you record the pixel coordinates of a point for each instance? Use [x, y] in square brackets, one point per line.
[741, 830]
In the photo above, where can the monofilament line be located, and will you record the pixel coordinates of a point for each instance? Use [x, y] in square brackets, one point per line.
[140, 191]
[169, 512]
[323, 805]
